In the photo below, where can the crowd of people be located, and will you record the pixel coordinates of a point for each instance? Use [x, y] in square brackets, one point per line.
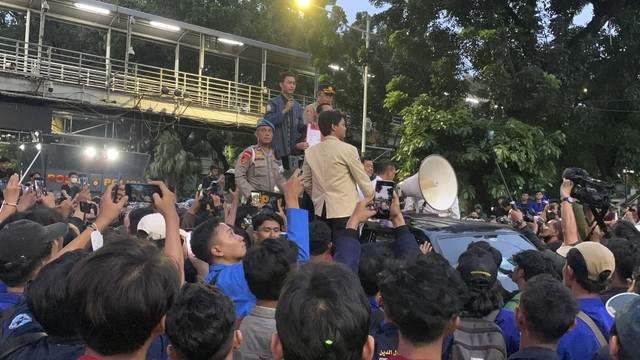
[231, 278]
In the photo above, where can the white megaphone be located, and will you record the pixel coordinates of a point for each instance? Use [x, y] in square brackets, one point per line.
[435, 182]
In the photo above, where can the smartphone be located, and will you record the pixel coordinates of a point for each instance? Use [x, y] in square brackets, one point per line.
[141, 192]
[24, 189]
[83, 180]
[40, 186]
[382, 199]
[114, 192]
[229, 181]
[86, 207]
[255, 198]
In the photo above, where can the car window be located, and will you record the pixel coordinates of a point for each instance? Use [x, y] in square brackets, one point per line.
[452, 247]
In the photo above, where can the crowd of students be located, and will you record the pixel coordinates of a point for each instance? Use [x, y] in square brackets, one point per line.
[221, 281]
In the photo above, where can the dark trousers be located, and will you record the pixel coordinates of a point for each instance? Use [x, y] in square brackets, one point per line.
[337, 225]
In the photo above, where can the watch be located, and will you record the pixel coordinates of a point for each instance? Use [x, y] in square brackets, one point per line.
[568, 198]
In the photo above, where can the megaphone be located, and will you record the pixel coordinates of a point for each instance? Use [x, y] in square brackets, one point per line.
[435, 182]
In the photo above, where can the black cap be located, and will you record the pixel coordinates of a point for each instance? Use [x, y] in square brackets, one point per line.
[477, 268]
[27, 239]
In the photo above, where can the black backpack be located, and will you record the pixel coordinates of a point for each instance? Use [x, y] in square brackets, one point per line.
[478, 339]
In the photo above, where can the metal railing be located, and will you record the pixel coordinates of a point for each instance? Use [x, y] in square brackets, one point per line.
[98, 72]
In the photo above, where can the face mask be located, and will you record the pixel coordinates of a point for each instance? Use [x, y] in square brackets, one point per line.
[73, 180]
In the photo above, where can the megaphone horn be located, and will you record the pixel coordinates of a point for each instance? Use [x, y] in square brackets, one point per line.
[435, 182]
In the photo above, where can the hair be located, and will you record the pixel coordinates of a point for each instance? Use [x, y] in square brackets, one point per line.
[319, 237]
[495, 253]
[241, 214]
[557, 226]
[319, 107]
[34, 174]
[121, 293]
[202, 237]
[624, 229]
[135, 216]
[323, 314]
[39, 214]
[327, 119]
[482, 300]
[263, 216]
[267, 265]
[200, 324]
[549, 307]
[626, 254]
[636, 280]
[46, 297]
[366, 158]
[578, 264]
[71, 173]
[373, 259]
[286, 74]
[533, 262]
[407, 285]
[213, 166]
[384, 165]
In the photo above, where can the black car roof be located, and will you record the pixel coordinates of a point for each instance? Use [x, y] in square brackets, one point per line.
[453, 226]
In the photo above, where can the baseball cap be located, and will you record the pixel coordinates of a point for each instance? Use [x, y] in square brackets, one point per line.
[265, 122]
[617, 302]
[477, 267]
[597, 258]
[27, 239]
[154, 225]
[327, 89]
[628, 326]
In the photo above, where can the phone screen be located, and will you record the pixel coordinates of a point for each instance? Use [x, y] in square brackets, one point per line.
[141, 192]
[255, 198]
[40, 186]
[382, 199]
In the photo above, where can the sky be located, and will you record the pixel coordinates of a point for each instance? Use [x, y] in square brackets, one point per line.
[351, 7]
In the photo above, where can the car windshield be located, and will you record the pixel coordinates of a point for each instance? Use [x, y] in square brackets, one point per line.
[507, 244]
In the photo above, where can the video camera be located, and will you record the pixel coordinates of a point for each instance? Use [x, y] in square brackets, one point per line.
[213, 189]
[589, 191]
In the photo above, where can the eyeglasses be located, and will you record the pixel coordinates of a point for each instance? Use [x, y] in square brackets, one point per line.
[633, 210]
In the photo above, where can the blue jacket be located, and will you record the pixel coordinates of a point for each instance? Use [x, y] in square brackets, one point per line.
[278, 119]
[581, 343]
[231, 280]
[507, 323]
[8, 300]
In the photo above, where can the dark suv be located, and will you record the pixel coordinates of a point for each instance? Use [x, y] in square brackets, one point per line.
[450, 238]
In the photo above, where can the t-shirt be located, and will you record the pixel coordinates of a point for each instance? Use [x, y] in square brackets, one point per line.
[515, 300]
[71, 191]
[580, 343]
[8, 300]
[507, 323]
[534, 353]
[5, 174]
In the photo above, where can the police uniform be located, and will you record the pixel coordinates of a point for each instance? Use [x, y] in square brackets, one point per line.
[258, 169]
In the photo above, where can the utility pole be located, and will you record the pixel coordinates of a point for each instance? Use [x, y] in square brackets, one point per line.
[366, 86]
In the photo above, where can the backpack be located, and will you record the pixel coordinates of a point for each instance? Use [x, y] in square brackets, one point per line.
[478, 339]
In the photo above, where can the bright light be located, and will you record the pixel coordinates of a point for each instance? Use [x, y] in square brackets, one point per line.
[93, 9]
[164, 26]
[585, 90]
[472, 100]
[230, 42]
[335, 67]
[90, 152]
[303, 3]
[21, 147]
[39, 146]
[112, 154]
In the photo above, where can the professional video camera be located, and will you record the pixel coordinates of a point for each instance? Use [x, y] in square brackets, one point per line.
[213, 189]
[589, 191]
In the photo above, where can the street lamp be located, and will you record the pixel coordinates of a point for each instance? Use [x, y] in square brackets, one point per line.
[306, 3]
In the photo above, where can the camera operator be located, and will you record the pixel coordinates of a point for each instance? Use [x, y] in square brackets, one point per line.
[208, 206]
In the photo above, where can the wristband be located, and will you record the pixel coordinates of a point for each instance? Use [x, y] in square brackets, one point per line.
[93, 226]
[10, 204]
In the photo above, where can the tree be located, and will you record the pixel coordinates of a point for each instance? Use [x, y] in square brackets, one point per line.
[178, 168]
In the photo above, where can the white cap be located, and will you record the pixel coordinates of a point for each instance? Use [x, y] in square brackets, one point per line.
[154, 225]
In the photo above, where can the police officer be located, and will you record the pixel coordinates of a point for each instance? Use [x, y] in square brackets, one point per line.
[257, 167]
